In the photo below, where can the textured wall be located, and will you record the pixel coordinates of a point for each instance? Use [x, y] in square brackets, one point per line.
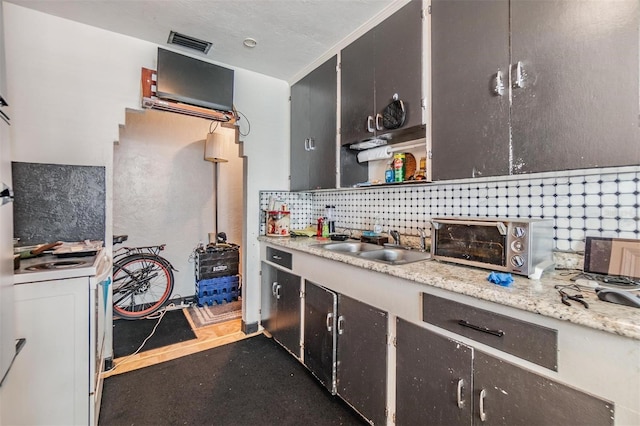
[56, 202]
[163, 189]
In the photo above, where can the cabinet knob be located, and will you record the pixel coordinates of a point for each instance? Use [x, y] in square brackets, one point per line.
[370, 124]
[340, 324]
[459, 393]
[329, 322]
[483, 415]
[498, 88]
[379, 122]
[518, 81]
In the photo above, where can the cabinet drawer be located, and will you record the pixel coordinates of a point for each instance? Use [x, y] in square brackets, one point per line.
[528, 341]
[279, 257]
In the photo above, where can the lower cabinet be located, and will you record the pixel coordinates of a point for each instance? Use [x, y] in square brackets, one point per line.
[362, 358]
[320, 337]
[433, 378]
[433, 386]
[345, 347]
[280, 308]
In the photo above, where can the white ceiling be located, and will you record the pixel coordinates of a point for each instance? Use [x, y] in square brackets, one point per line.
[291, 34]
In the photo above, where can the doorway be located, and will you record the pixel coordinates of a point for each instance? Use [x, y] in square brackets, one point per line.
[164, 192]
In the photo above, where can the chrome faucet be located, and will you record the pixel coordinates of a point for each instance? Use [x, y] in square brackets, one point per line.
[423, 239]
[395, 235]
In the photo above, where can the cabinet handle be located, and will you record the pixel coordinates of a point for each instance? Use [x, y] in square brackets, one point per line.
[312, 144]
[273, 288]
[306, 144]
[465, 323]
[518, 81]
[340, 324]
[330, 322]
[483, 415]
[370, 124]
[459, 393]
[498, 89]
[278, 287]
[379, 122]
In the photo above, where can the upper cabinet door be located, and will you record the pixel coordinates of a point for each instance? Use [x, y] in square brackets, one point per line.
[323, 103]
[469, 63]
[357, 81]
[398, 62]
[313, 129]
[577, 105]
[300, 131]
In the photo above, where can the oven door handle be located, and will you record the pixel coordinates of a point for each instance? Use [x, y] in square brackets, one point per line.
[502, 228]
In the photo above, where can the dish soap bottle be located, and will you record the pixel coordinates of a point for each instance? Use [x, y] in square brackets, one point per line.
[388, 174]
[377, 227]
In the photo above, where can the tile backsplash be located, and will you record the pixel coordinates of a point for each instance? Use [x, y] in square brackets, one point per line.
[595, 202]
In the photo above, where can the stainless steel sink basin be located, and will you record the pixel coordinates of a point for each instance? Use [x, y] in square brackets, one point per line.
[391, 256]
[396, 256]
[351, 247]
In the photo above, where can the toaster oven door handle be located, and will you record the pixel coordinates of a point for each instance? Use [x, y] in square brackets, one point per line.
[500, 225]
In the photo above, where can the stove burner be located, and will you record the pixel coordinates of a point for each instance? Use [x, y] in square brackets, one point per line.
[60, 264]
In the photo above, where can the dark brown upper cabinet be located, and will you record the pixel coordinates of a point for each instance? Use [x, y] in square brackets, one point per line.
[313, 129]
[529, 86]
[384, 62]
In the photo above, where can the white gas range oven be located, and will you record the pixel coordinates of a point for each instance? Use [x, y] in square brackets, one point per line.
[63, 311]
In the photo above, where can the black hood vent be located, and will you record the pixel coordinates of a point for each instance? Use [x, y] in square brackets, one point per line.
[189, 42]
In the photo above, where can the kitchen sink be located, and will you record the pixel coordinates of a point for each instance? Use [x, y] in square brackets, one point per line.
[396, 256]
[392, 256]
[350, 247]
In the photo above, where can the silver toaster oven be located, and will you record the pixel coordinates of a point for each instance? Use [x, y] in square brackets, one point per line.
[520, 246]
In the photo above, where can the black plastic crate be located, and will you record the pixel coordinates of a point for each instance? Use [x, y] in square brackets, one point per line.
[216, 261]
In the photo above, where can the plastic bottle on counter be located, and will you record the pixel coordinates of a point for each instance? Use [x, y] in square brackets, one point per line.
[388, 174]
[325, 228]
[320, 227]
[377, 227]
[398, 166]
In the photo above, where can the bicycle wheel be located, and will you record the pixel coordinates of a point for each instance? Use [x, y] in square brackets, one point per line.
[141, 285]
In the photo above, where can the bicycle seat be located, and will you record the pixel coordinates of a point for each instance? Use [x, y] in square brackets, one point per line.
[119, 239]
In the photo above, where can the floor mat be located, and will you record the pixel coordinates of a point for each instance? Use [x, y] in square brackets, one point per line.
[249, 382]
[128, 335]
[208, 315]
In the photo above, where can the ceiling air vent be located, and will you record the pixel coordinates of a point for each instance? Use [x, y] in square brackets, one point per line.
[189, 42]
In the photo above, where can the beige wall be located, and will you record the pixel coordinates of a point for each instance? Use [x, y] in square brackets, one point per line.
[163, 189]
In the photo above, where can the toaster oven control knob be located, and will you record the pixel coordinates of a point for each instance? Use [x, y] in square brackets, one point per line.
[519, 232]
[517, 246]
[517, 261]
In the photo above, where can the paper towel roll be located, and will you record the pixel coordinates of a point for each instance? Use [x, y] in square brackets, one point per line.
[380, 153]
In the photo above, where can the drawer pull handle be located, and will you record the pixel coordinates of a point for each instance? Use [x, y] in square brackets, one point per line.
[464, 323]
[483, 415]
[276, 257]
[459, 393]
[330, 322]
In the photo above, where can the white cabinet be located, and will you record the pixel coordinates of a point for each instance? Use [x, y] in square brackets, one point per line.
[56, 378]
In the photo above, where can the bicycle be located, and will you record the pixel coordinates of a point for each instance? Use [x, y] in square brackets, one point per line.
[142, 280]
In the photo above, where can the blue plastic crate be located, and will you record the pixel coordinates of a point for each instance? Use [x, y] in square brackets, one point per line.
[217, 290]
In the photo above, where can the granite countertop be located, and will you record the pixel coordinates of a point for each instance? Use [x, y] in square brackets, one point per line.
[537, 296]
